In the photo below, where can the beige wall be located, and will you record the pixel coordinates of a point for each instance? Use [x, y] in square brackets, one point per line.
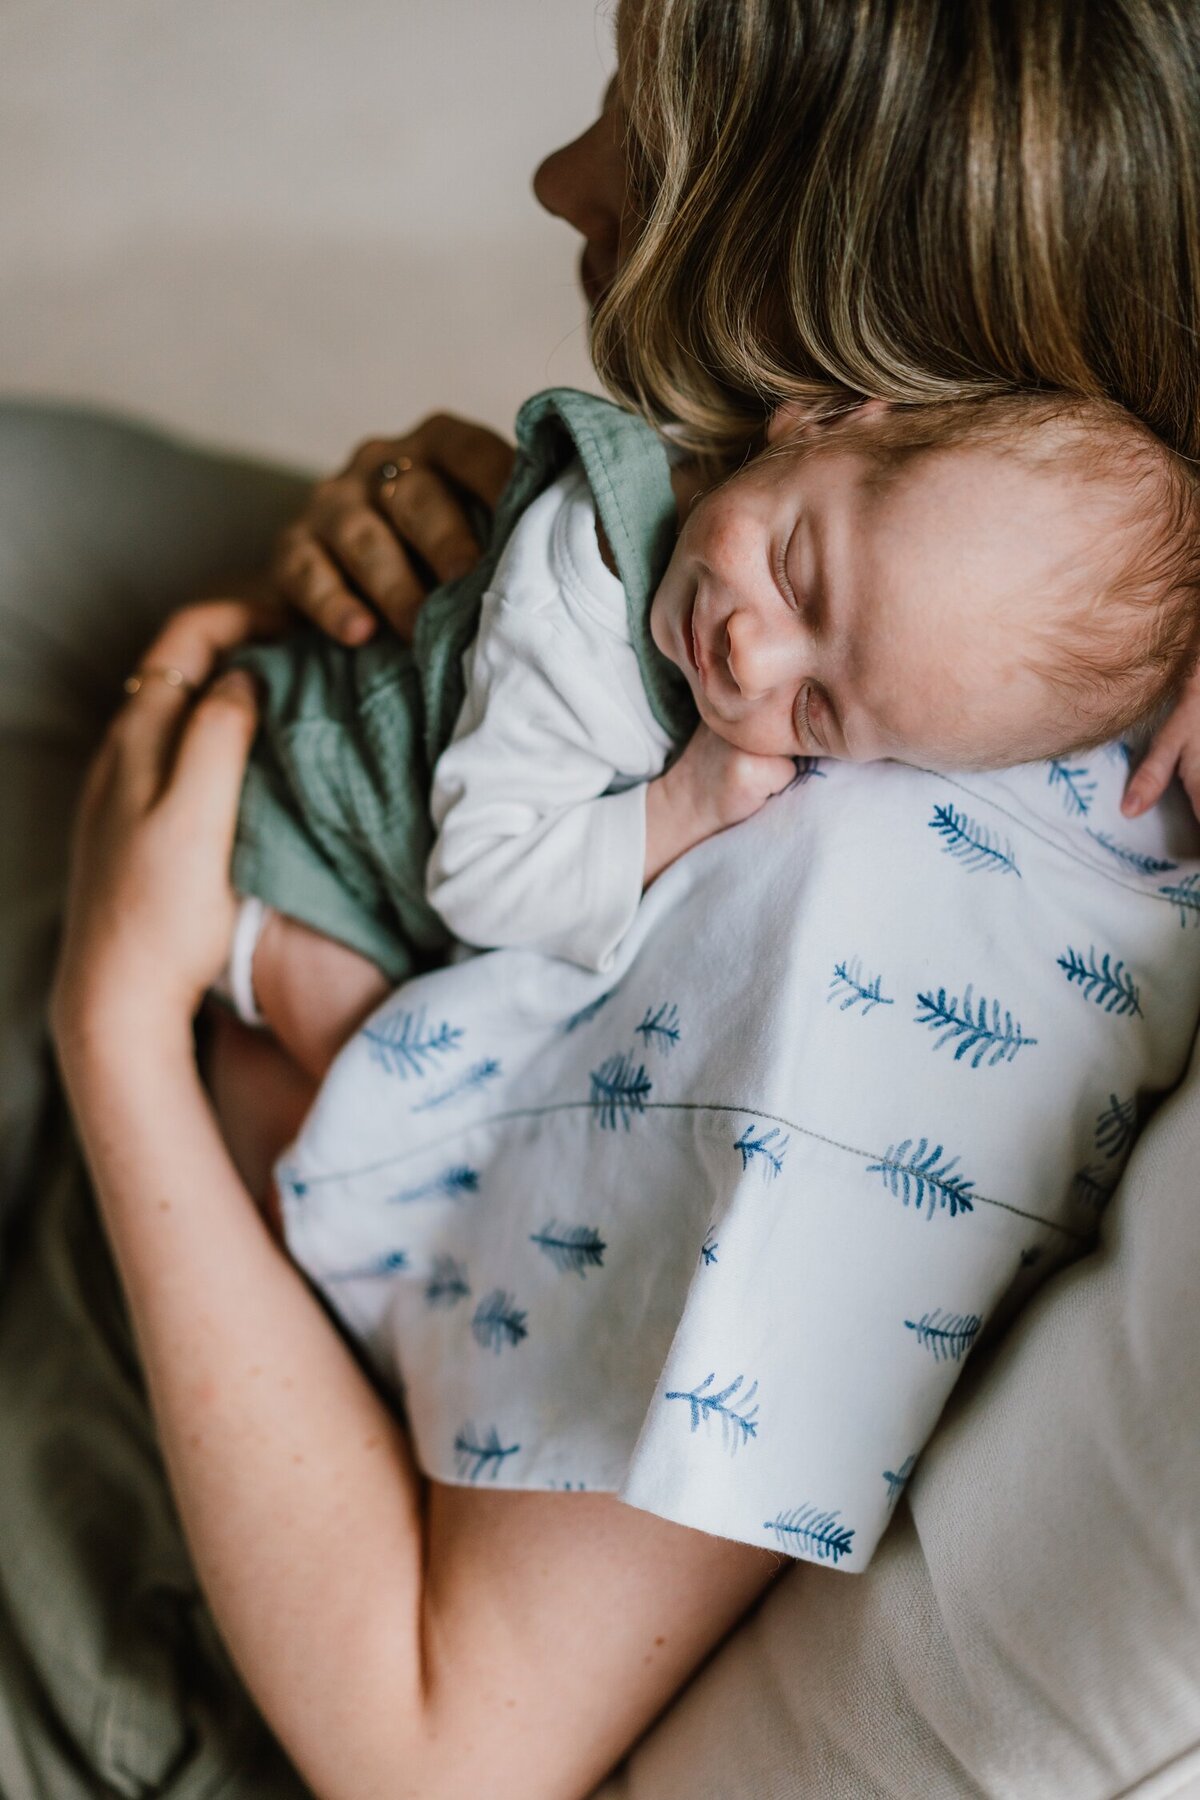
[286, 223]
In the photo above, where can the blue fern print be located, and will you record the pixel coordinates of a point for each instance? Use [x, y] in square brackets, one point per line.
[376, 1270]
[660, 1027]
[1075, 787]
[451, 1184]
[573, 1249]
[709, 1248]
[587, 1013]
[498, 1322]
[1137, 860]
[1090, 1190]
[808, 768]
[478, 1453]
[620, 1088]
[1108, 984]
[470, 1082]
[448, 1283]
[919, 1174]
[768, 1150]
[978, 1034]
[822, 1537]
[897, 1480]
[736, 1426]
[972, 844]
[1116, 1127]
[947, 1336]
[404, 1044]
[850, 988]
[1185, 895]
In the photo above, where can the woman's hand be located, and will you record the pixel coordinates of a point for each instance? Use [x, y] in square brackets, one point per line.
[367, 541]
[149, 905]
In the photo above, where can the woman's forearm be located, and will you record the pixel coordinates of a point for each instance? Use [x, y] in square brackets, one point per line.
[296, 1488]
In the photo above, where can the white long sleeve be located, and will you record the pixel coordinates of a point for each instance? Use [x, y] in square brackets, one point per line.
[539, 800]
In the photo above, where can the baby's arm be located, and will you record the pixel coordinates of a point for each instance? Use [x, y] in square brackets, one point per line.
[709, 788]
[1175, 749]
[312, 992]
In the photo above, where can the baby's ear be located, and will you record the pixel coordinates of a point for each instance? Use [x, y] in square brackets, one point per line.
[798, 418]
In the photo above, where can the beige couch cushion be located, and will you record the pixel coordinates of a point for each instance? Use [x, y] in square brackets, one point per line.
[1030, 1627]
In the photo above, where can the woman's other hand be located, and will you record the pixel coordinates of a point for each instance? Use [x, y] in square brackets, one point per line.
[372, 537]
[149, 905]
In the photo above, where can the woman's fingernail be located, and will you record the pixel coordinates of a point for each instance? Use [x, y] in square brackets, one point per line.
[236, 684]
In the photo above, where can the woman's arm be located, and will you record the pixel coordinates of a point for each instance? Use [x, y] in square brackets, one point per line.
[399, 1642]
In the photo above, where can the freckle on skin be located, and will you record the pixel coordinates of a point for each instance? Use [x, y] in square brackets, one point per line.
[370, 1443]
[297, 1459]
[659, 1642]
[164, 1206]
[194, 1438]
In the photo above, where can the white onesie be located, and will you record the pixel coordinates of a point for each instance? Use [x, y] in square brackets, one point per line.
[539, 799]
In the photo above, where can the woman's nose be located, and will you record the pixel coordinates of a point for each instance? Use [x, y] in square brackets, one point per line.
[756, 651]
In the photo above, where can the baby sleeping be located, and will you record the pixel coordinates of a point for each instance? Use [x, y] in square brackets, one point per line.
[709, 1206]
[969, 586]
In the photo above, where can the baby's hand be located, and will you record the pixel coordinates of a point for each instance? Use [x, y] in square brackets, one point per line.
[710, 787]
[1176, 747]
[726, 785]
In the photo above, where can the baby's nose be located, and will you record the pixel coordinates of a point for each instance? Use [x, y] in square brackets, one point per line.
[753, 653]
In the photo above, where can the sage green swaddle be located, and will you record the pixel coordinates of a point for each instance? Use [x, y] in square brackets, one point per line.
[334, 827]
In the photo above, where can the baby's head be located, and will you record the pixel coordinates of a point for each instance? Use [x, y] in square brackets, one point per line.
[966, 585]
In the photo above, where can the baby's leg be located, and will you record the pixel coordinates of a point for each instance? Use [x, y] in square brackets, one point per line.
[312, 992]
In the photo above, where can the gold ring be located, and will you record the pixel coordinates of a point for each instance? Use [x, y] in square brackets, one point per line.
[175, 678]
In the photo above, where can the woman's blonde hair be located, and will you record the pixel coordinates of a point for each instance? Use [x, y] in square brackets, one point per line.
[915, 199]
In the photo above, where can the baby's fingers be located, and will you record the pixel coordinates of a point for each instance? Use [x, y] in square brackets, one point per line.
[1152, 777]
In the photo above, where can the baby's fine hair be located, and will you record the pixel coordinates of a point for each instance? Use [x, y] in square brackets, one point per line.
[917, 200]
[1120, 645]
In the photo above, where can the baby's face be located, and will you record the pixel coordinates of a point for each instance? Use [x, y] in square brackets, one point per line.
[819, 610]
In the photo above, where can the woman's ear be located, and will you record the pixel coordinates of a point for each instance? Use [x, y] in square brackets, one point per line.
[795, 418]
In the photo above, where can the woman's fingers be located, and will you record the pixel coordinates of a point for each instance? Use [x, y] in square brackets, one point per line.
[371, 537]
[477, 459]
[181, 659]
[427, 513]
[310, 580]
[211, 760]
[372, 553]
[195, 638]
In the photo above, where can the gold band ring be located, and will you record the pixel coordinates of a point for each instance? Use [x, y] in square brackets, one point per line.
[175, 678]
